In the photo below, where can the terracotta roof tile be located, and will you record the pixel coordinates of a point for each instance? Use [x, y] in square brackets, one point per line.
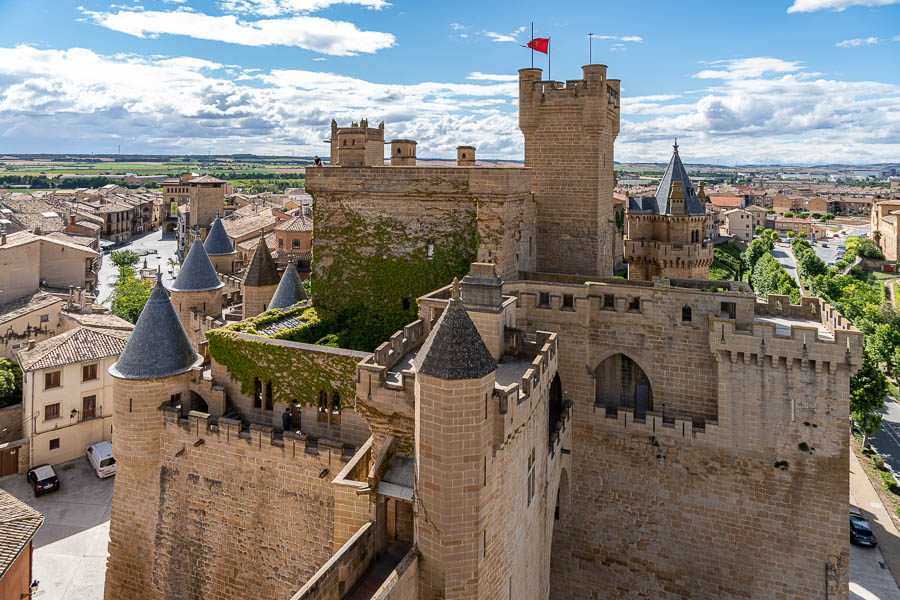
[18, 524]
[79, 345]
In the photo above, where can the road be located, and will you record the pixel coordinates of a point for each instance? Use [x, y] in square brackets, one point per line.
[70, 548]
[164, 246]
[887, 440]
[785, 256]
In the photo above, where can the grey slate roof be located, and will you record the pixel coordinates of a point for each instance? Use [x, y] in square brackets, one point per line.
[217, 242]
[454, 348]
[262, 270]
[197, 274]
[290, 291]
[659, 204]
[158, 346]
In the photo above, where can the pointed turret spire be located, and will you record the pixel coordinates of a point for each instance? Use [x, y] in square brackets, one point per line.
[158, 346]
[217, 242]
[454, 349]
[676, 146]
[675, 172]
[262, 270]
[197, 273]
[290, 291]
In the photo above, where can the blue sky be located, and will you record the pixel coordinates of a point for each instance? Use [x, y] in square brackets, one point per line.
[790, 81]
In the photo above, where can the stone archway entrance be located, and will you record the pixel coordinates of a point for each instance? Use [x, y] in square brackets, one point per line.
[621, 383]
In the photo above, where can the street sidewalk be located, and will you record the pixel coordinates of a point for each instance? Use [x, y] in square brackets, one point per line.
[864, 497]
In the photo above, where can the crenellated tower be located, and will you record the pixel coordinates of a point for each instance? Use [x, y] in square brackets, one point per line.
[569, 132]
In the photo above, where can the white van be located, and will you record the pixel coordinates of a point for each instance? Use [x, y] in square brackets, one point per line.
[101, 458]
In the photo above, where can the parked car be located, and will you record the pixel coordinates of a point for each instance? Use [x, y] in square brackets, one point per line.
[824, 245]
[101, 458]
[43, 479]
[860, 532]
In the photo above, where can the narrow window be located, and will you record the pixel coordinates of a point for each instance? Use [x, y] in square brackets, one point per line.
[568, 302]
[635, 304]
[270, 392]
[335, 402]
[88, 407]
[257, 393]
[544, 299]
[280, 243]
[175, 399]
[685, 314]
[51, 411]
[295, 244]
[484, 471]
[609, 301]
[45, 318]
[530, 477]
[54, 444]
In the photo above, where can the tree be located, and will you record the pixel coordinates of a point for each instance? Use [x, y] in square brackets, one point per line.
[10, 383]
[756, 248]
[129, 294]
[867, 249]
[124, 258]
[759, 230]
[882, 342]
[816, 215]
[868, 388]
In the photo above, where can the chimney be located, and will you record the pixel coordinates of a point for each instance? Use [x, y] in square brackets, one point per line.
[465, 156]
[37, 231]
[31, 343]
[71, 219]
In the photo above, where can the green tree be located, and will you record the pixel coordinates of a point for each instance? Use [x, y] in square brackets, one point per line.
[867, 249]
[882, 342]
[129, 294]
[868, 388]
[758, 247]
[124, 258]
[10, 383]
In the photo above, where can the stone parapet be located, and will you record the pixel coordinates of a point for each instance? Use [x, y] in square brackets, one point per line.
[418, 181]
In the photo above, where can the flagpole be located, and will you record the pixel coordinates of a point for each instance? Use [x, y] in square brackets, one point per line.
[548, 60]
[590, 47]
[531, 44]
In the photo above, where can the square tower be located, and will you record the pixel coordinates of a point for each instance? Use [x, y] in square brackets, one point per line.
[569, 133]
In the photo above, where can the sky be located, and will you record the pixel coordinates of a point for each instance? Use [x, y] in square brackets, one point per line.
[737, 82]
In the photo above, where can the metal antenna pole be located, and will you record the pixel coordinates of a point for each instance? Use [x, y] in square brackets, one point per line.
[531, 44]
[590, 48]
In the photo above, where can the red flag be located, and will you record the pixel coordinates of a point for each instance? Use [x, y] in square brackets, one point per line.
[539, 44]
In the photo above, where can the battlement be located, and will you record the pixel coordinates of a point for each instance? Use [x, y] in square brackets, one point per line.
[593, 92]
[419, 183]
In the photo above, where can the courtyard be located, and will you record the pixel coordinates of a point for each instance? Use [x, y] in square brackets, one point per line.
[70, 547]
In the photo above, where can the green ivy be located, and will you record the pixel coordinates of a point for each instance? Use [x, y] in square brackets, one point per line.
[376, 268]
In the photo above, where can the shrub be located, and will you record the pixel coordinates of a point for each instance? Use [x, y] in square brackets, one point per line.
[887, 480]
[878, 461]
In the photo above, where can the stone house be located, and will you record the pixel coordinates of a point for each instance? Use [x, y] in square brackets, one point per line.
[739, 223]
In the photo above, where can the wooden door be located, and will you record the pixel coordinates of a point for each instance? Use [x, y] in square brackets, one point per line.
[9, 461]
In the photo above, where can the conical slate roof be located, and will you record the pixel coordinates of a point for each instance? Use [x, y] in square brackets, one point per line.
[454, 348]
[290, 291]
[217, 242]
[197, 274]
[675, 171]
[158, 346]
[262, 270]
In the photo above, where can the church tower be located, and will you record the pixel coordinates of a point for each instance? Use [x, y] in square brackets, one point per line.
[454, 382]
[569, 133]
[260, 281]
[153, 369]
[665, 234]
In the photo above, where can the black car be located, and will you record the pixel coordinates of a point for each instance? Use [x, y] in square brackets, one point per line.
[860, 532]
[43, 478]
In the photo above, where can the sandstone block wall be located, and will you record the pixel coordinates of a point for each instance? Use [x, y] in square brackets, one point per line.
[11, 418]
[207, 303]
[256, 299]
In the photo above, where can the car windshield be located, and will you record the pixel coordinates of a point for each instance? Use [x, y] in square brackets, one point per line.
[860, 523]
[107, 462]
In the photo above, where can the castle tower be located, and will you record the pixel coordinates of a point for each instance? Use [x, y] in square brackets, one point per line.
[569, 133]
[454, 381]
[665, 234]
[465, 156]
[358, 145]
[290, 290]
[197, 289]
[151, 371]
[260, 281]
[403, 153]
[219, 248]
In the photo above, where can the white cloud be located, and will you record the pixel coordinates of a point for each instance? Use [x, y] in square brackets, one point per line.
[621, 38]
[325, 36]
[478, 76]
[743, 68]
[272, 8]
[857, 42]
[632, 38]
[457, 26]
[504, 37]
[837, 5]
[319, 59]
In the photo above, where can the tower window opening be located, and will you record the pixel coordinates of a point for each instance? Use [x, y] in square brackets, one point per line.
[686, 314]
[544, 299]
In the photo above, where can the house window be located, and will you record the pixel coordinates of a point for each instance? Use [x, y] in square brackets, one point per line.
[54, 444]
[51, 411]
[89, 372]
[529, 483]
[295, 244]
[568, 302]
[544, 299]
[323, 406]
[609, 301]
[45, 318]
[685, 314]
[635, 304]
[88, 407]
[257, 393]
[52, 379]
[335, 402]
[280, 243]
[269, 393]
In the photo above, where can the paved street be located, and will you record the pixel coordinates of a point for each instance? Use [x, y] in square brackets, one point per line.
[70, 547]
[784, 255]
[145, 244]
[887, 441]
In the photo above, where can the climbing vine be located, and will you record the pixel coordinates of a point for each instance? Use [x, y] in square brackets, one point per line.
[373, 269]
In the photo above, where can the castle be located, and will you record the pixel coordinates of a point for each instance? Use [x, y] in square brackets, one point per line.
[533, 429]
